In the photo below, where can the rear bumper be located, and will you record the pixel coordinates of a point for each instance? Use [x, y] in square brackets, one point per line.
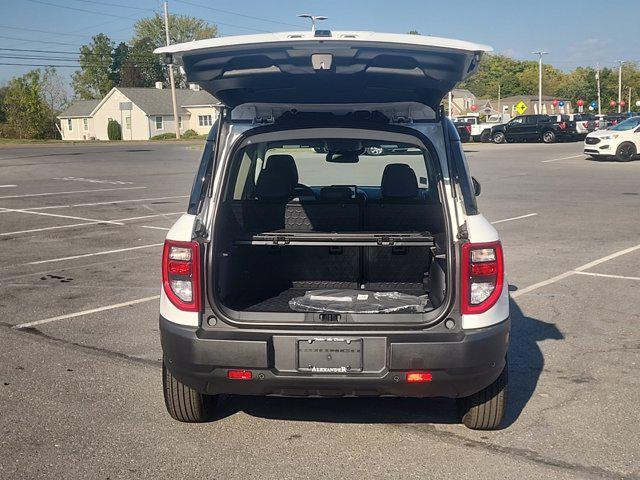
[461, 363]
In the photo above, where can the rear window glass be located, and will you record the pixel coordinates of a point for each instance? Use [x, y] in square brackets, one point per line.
[358, 165]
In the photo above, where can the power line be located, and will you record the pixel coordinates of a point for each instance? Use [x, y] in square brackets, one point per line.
[39, 41]
[78, 9]
[119, 5]
[42, 31]
[237, 14]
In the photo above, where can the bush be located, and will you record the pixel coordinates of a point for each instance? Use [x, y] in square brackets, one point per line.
[164, 136]
[114, 131]
[190, 134]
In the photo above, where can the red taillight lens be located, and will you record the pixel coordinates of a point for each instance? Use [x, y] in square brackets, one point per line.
[468, 127]
[418, 377]
[181, 274]
[239, 374]
[481, 276]
[585, 124]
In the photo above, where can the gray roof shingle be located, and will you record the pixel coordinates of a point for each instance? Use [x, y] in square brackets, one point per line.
[79, 108]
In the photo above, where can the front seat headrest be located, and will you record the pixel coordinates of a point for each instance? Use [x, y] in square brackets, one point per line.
[274, 186]
[281, 163]
[399, 181]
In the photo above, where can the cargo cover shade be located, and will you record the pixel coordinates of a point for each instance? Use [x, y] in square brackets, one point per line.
[343, 67]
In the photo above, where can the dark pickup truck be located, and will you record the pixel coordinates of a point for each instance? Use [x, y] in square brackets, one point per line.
[533, 128]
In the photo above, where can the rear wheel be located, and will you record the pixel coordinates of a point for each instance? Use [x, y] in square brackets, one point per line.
[485, 410]
[625, 152]
[184, 403]
[485, 137]
[375, 151]
[499, 137]
[548, 137]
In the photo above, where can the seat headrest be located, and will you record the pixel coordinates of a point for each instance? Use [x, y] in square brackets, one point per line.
[336, 193]
[281, 163]
[274, 186]
[399, 181]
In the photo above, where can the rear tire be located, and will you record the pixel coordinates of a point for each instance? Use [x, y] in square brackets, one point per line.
[184, 403]
[485, 409]
[499, 137]
[485, 137]
[625, 152]
[549, 137]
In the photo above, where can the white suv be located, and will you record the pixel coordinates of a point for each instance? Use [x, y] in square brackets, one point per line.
[622, 141]
[305, 267]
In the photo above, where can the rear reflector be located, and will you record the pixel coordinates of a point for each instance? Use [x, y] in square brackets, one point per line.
[419, 377]
[239, 374]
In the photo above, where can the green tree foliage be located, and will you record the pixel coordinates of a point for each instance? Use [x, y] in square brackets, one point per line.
[114, 131]
[141, 68]
[3, 113]
[96, 75]
[24, 107]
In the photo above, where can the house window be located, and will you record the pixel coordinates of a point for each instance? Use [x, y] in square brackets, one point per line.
[180, 122]
[127, 123]
[204, 120]
[85, 124]
[69, 125]
[159, 125]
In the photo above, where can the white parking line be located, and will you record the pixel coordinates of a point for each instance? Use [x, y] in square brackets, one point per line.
[606, 275]
[112, 222]
[85, 312]
[515, 218]
[575, 271]
[74, 225]
[563, 158]
[8, 186]
[112, 202]
[105, 252]
[70, 192]
[154, 228]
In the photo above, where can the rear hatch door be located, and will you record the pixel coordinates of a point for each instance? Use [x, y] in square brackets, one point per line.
[327, 67]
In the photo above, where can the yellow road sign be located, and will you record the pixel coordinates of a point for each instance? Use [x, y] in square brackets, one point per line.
[521, 107]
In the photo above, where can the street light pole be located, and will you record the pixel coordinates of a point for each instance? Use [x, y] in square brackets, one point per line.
[620, 85]
[598, 83]
[176, 123]
[540, 53]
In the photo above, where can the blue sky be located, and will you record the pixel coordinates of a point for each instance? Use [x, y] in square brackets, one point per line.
[575, 32]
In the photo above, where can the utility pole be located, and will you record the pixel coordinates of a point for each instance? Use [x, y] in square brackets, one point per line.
[629, 104]
[450, 101]
[176, 123]
[620, 85]
[499, 105]
[598, 83]
[540, 53]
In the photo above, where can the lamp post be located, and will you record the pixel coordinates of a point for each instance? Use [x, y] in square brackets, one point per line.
[540, 53]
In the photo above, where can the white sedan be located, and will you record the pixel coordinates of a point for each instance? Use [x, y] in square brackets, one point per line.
[621, 141]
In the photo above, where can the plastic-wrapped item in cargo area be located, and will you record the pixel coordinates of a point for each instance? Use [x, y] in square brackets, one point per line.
[359, 301]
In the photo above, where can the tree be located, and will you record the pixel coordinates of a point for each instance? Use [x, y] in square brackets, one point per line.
[3, 114]
[25, 109]
[118, 57]
[141, 68]
[114, 131]
[95, 77]
[414, 32]
[150, 32]
[54, 95]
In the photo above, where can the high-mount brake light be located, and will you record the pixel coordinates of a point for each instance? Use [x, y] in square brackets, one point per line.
[481, 276]
[181, 274]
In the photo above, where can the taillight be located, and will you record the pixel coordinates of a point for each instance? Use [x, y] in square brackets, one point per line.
[481, 276]
[468, 127]
[585, 124]
[563, 125]
[181, 274]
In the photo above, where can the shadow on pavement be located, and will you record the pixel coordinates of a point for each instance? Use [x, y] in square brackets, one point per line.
[526, 364]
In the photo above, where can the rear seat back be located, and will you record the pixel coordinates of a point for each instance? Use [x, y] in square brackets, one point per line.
[401, 206]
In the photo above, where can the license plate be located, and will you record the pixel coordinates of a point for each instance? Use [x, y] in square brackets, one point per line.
[330, 355]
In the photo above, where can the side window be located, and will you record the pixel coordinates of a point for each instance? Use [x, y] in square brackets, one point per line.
[159, 125]
[464, 178]
[204, 173]
[69, 124]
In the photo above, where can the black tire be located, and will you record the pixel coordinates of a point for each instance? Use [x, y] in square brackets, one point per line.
[499, 137]
[549, 136]
[625, 152]
[485, 410]
[485, 137]
[184, 403]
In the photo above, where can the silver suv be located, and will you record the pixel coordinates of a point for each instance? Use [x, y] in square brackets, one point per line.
[307, 266]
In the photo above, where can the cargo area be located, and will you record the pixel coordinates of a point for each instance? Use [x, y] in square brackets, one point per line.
[287, 229]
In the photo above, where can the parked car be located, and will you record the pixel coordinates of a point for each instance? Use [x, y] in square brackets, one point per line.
[464, 129]
[301, 273]
[622, 141]
[584, 123]
[525, 128]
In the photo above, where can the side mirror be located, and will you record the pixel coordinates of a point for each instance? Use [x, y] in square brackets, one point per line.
[637, 130]
[477, 188]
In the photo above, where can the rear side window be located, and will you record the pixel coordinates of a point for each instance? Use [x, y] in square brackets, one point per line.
[203, 175]
[464, 178]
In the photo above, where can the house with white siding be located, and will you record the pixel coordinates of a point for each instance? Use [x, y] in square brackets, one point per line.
[141, 112]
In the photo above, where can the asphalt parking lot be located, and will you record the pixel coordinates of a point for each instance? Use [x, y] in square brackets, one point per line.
[81, 229]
